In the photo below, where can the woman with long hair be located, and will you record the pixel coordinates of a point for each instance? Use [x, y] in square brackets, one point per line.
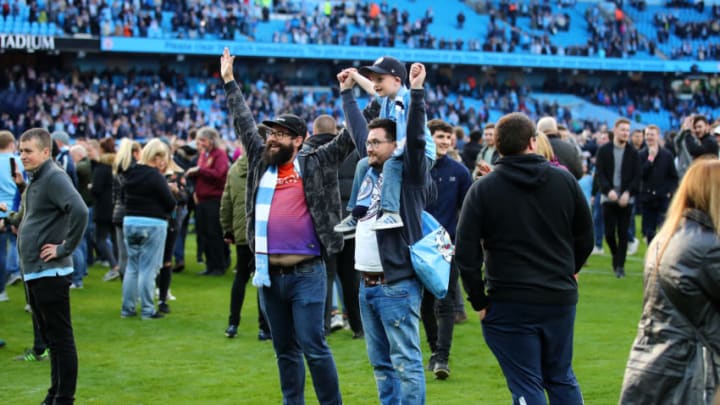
[174, 175]
[148, 205]
[679, 328]
[102, 192]
[128, 154]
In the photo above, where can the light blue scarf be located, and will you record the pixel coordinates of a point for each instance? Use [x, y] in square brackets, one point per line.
[266, 191]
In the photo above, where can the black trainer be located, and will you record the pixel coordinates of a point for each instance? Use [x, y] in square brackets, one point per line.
[262, 335]
[432, 362]
[441, 370]
[231, 331]
[164, 308]
[155, 315]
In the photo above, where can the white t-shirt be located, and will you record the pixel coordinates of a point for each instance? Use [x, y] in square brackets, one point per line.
[367, 255]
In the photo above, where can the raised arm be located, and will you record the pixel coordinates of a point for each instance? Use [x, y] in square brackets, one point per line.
[362, 81]
[415, 162]
[242, 119]
[354, 119]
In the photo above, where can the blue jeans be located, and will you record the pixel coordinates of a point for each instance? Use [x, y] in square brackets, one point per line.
[144, 245]
[79, 258]
[295, 308]
[392, 182]
[391, 319]
[598, 225]
[90, 238]
[533, 345]
[122, 249]
[631, 229]
[179, 250]
[12, 261]
[4, 239]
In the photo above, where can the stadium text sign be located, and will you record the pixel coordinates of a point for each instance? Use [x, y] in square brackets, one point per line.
[28, 42]
[274, 50]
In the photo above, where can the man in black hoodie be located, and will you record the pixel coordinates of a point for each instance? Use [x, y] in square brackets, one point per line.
[471, 149]
[534, 223]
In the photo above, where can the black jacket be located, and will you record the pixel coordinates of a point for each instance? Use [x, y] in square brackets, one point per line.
[567, 155]
[147, 193]
[102, 190]
[535, 225]
[346, 172]
[469, 154]
[659, 177]
[630, 175]
[706, 146]
[318, 167]
[679, 318]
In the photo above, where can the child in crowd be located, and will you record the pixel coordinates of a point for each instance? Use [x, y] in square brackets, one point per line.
[384, 79]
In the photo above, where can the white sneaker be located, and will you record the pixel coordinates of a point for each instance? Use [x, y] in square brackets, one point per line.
[597, 251]
[4, 297]
[13, 278]
[348, 224]
[633, 247]
[74, 286]
[389, 220]
[336, 322]
[170, 297]
[111, 275]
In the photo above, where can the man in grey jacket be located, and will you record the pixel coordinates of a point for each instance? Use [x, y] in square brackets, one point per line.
[51, 228]
[565, 152]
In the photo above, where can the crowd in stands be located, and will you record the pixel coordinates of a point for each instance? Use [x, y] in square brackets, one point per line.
[163, 103]
[629, 96]
[147, 104]
[668, 22]
[611, 32]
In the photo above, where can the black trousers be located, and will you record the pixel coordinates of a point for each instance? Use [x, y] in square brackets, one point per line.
[207, 224]
[50, 302]
[106, 249]
[164, 277]
[653, 216]
[342, 265]
[617, 220]
[244, 268]
[438, 317]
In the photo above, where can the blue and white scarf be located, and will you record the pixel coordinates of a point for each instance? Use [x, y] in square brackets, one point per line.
[266, 191]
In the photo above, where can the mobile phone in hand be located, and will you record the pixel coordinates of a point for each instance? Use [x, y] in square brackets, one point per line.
[12, 167]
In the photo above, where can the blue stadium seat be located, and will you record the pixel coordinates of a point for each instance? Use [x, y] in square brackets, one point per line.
[166, 23]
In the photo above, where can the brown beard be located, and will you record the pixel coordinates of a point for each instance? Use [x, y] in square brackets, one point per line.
[277, 158]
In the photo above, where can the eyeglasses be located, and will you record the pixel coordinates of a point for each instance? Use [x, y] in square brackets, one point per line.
[374, 144]
[278, 134]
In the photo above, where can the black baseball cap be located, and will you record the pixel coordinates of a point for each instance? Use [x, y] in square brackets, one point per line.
[386, 65]
[291, 122]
